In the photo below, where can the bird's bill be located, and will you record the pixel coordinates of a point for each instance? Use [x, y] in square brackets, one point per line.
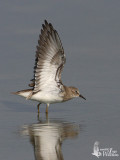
[82, 97]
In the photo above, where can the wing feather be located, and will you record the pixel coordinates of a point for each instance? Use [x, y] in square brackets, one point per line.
[50, 60]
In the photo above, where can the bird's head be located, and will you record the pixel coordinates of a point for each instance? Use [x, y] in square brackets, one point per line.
[75, 92]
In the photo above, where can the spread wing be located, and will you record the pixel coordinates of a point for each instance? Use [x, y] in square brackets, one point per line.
[50, 60]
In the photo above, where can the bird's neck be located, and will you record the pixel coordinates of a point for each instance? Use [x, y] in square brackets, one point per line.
[67, 93]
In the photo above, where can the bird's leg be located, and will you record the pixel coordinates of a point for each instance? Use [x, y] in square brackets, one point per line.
[47, 117]
[47, 108]
[38, 107]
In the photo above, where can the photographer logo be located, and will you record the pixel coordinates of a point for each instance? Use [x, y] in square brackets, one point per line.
[104, 152]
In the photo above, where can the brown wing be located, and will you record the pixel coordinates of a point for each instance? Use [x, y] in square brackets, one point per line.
[50, 60]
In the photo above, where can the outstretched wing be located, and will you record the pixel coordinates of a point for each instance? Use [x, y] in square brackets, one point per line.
[50, 60]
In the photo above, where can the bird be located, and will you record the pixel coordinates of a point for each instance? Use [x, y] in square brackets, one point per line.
[46, 85]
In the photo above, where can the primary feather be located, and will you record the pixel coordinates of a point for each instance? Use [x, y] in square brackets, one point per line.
[50, 60]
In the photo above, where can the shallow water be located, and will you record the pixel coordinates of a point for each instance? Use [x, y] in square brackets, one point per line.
[47, 137]
[68, 132]
[92, 50]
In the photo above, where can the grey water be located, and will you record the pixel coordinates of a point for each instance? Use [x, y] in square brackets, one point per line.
[90, 34]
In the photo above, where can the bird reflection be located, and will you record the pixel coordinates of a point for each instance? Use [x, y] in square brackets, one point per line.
[47, 136]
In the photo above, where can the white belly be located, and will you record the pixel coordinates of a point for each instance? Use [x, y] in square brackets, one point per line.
[47, 97]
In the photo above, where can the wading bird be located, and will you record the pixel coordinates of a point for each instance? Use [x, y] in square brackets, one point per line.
[47, 86]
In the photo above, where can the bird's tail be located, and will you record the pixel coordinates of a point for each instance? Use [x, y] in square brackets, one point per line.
[27, 93]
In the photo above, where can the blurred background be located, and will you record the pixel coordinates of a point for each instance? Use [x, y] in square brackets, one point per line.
[90, 34]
